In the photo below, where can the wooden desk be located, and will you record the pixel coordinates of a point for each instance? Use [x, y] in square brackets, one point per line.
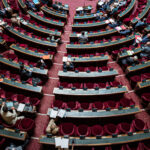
[101, 113]
[90, 59]
[88, 25]
[30, 52]
[141, 85]
[143, 13]
[19, 85]
[22, 5]
[40, 29]
[100, 45]
[2, 42]
[44, 20]
[27, 109]
[85, 17]
[138, 67]
[94, 35]
[10, 133]
[92, 74]
[54, 13]
[104, 141]
[90, 92]
[125, 54]
[17, 66]
[128, 9]
[31, 39]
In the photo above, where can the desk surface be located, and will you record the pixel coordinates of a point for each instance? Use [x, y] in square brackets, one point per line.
[53, 12]
[125, 54]
[5, 3]
[143, 13]
[128, 9]
[31, 39]
[2, 41]
[96, 34]
[92, 74]
[101, 113]
[27, 87]
[90, 92]
[17, 66]
[100, 45]
[141, 85]
[40, 29]
[138, 67]
[90, 59]
[27, 109]
[29, 52]
[105, 140]
[10, 133]
[42, 19]
[87, 16]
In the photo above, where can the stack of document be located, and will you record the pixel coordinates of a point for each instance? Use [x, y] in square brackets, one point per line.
[21, 107]
[60, 113]
[62, 142]
[130, 52]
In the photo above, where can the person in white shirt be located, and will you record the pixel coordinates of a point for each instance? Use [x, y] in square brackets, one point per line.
[9, 116]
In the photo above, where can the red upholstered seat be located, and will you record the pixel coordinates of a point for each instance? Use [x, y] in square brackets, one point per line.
[73, 105]
[83, 130]
[57, 103]
[67, 128]
[80, 68]
[102, 85]
[134, 79]
[126, 147]
[110, 129]
[2, 93]
[114, 83]
[77, 85]
[64, 84]
[97, 130]
[146, 75]
[86, 106]
[34, 101]
[108, 148]
[99, 105]
[138, 125]
[123, 127]
[110, 104]
[2, 140]
[126, 102]
[26, 124]
[9, 95]
[146, 97]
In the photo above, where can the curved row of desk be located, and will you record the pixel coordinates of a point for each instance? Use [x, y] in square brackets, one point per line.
[143, 13]
[92, 74]
[29, 52]
[31, 39]
[101, 113]
[19, 85]
[90, 92]
[102, 141]
[144, 84]
[17, 66]
[44, 20]
[100, 45]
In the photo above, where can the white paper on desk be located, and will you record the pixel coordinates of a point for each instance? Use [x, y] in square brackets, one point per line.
[58, 141]
[64, 143]
[107, 21]
[130, 52]
[53, 113]
[24, 22]
[69, 59]
[78, 35]
[21, 107]
[118, 28]
[64, 59]
[79, 8]
[100, 3]
[111, 20]
[61, 113]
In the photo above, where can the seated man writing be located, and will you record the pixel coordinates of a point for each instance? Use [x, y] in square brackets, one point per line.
[130, 60]
[9, 116]
[83, 38]
[52, 127]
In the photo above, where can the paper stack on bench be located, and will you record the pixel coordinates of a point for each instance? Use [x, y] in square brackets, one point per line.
[54, 113]
[62, 142]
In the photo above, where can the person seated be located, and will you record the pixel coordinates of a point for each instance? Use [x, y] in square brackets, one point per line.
[15, 20]
[52, 39]
[131, 60]
[127, 31]
[114, 24]
[122, 3]
[83, 38]
[24, 73]
[141, 23]
[145, 50]
[41, 63]
[146, 38]
[52, 128]
[31, 5]
[68, 65]
[10, 116]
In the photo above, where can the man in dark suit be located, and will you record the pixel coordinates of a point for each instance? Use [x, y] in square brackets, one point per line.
[145, 50]
[130, 60]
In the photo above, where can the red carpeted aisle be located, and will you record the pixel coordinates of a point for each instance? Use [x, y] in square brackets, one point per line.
[42, 119]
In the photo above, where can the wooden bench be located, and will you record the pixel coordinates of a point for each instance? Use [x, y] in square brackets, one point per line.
[17, 66]
[92, 74]
[103, 141]
[144, 84]
[19, 85]
[90, 92]
[101, 113]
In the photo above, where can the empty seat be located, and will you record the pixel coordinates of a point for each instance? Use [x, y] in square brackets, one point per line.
[110, 129]
[123, 127]
[138, 125]
[83, 130]
[97, 130]
[34, 101]
[99, 105]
